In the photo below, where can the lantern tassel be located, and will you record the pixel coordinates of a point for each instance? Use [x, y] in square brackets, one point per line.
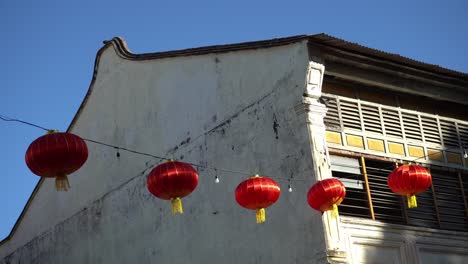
[260, 215]
[61, 183]
[334, 212]
[176, 206]
[412, 201]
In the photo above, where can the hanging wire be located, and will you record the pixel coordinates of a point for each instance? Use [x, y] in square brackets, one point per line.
[125, 149]
[165, 158]
[161, 158]
[6, 118]
[9, 119]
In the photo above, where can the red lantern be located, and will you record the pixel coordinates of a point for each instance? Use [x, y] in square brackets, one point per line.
[173, 180]
[409, 180]
[257, 193]
[326, 195]
[56, 155]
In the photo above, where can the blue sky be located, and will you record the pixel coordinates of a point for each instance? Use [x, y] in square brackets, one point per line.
[48, 51]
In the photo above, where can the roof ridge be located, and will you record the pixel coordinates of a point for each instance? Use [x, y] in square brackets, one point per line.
[122, 48]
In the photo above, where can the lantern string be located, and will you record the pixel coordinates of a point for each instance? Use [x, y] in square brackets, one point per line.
[126, 149]
[166, 158]
[9, 119]
[191, 163]
[161, 158]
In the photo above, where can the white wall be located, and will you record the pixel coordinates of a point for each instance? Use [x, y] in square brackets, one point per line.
[370, 241]
[216, 109]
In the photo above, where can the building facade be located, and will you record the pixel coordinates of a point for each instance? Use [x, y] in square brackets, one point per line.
[298, 109]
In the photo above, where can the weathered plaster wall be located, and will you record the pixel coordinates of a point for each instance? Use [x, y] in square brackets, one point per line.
[232, 110]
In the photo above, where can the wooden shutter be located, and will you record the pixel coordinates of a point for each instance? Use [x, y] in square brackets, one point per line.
[395, 132]
[392, 123]
[350, 114]
[332, 118]
[412, 128]
[446, 210]
[449, 199]
[371, 118]
[387, 205]
[449, 133]
[431, 130]
[348, 170]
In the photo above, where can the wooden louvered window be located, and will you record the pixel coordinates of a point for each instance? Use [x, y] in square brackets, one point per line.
[411, 126]
[382, 130]
[431, 130]
[371, 119]
[368, 132]
[443, 206]
[450, 197]
[391, 123]
[463, 132]
[449, 133]
[332, 121]
[350, 114]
